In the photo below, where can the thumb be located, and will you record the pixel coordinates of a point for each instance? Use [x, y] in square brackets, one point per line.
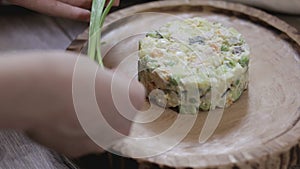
[119, 99]
[112, 110]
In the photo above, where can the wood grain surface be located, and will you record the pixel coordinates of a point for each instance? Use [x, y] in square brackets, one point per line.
[261, 130]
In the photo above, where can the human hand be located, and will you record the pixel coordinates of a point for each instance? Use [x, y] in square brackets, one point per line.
[36, 96]
[71, 9]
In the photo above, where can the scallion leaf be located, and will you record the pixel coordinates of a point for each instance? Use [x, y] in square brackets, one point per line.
[96, 23]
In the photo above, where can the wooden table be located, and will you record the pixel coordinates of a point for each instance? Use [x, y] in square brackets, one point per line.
[21, 29]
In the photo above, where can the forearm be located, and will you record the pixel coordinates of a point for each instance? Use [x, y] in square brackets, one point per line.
[12, 85]
[36, 96]
[16, 81]
[29, 87]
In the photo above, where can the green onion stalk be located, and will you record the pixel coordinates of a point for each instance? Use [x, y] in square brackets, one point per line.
[98, 15]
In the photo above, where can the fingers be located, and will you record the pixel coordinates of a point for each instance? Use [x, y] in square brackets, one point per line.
[57, 8]
[80, 9]
[112, 95]
[71, 9]
[60, 9]
[86, 4]
[70, 12]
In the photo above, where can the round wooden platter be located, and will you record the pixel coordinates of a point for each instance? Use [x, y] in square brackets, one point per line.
[261, 130]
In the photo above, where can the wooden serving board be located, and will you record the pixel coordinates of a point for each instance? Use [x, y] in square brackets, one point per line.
[261, 130]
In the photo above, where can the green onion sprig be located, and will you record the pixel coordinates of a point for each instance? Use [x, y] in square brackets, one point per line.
[98, 15]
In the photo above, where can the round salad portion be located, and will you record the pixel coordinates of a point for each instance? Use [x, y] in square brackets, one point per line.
[197, 64]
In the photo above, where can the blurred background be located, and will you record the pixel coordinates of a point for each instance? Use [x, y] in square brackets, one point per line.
[25, 29]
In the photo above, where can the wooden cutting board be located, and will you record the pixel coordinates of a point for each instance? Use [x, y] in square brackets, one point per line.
[261, 130]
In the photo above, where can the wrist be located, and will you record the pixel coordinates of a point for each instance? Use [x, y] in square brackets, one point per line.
[14, 85]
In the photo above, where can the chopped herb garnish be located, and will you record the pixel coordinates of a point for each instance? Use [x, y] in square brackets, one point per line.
[140, 45]
[224, 48]
[205, 106]
[173, 81]
[154, 34]
[244, 61]
[230, 64]
[237, 82]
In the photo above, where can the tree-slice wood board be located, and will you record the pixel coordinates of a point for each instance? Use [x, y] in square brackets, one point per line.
[260, 130]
